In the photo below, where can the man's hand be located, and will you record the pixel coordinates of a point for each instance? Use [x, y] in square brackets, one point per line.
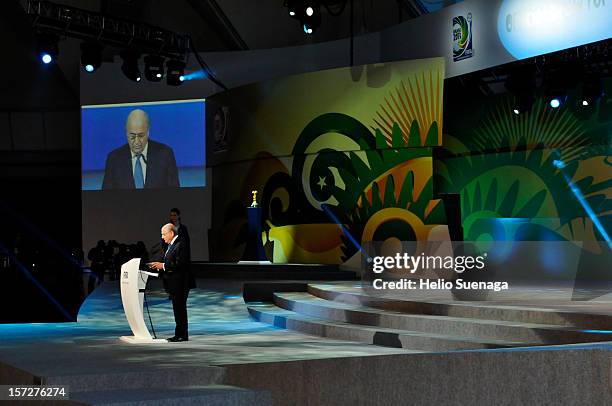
[156, 265]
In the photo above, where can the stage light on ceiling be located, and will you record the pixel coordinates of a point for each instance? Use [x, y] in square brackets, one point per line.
[293, 7]
[308, 13]
[47, 47]
[559, 80]
[91, 56]
[521, 83]
[130, 65]
[175, 72]
[592, 90]
[311, 18]
[154, 68]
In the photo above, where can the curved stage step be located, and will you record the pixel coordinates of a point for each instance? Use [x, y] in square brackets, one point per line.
[536, 334]
[536, 314]
[214, 395]
[412, 340]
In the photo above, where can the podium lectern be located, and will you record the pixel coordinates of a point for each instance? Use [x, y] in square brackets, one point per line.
[133, 282]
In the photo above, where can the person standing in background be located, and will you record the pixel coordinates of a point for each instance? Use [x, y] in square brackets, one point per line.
[97, 266]
[175, 219]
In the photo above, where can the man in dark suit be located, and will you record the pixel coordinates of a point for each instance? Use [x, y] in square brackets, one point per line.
[141, 163]
[177, 278]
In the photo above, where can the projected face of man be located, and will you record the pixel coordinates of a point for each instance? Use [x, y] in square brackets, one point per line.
[137, 129]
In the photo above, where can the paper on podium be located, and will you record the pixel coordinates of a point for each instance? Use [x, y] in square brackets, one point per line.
[155, 274]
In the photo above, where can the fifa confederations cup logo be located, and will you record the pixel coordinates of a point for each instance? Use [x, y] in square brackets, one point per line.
[462, 37]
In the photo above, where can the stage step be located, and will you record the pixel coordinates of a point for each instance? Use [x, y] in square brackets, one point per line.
[472, 310]
[210, 395]
[410, 340]
[536, 334]
[143, 378]
[236, 271]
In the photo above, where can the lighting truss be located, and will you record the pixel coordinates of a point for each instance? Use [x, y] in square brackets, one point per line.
[87, 25]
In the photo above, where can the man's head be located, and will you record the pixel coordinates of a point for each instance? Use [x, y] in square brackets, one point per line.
[175, 215]
[168, 231]
[137, 130]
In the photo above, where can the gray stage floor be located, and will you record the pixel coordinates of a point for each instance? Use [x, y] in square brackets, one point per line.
[232, 359]
[221, 333]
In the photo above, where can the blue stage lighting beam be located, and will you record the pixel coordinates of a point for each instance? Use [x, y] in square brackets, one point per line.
[344, 230]
[200, 74]
[559, 164]
[40, 287]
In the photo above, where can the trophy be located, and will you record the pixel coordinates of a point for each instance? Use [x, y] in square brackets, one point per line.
[254, 203]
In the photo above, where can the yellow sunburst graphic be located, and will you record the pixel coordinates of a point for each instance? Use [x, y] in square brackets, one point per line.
[416, 98]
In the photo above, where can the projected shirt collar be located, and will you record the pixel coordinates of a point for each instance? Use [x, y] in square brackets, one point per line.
[144, 152]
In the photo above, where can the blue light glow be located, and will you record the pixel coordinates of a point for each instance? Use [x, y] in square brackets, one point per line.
[194, 75]
[89, 68]
[555, 103]
[24, 270]
[46, 58]
[559, 164]
[597, 331]
[344, 230]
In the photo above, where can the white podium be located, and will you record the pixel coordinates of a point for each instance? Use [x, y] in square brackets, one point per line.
[133, 282]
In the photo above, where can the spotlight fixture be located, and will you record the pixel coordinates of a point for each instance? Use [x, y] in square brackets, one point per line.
[130, 65]
[154, 68]
[47, 49]
[555, 102]
[592, 90]
[175, 72]
[558, 81]
[556, 96]
[521, 83]
[311, 19]
[307, 12]
[294, 8]
[91, 56]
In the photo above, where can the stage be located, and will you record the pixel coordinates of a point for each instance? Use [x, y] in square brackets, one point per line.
[326, 357]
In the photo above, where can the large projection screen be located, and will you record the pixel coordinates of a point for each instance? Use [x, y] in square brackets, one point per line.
[139, 160]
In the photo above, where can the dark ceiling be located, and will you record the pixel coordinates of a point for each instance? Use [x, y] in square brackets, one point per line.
[214, 25]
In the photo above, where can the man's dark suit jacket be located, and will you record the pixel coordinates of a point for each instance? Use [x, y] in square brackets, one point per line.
[161, 168]
[183, 233]
[177, 276]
